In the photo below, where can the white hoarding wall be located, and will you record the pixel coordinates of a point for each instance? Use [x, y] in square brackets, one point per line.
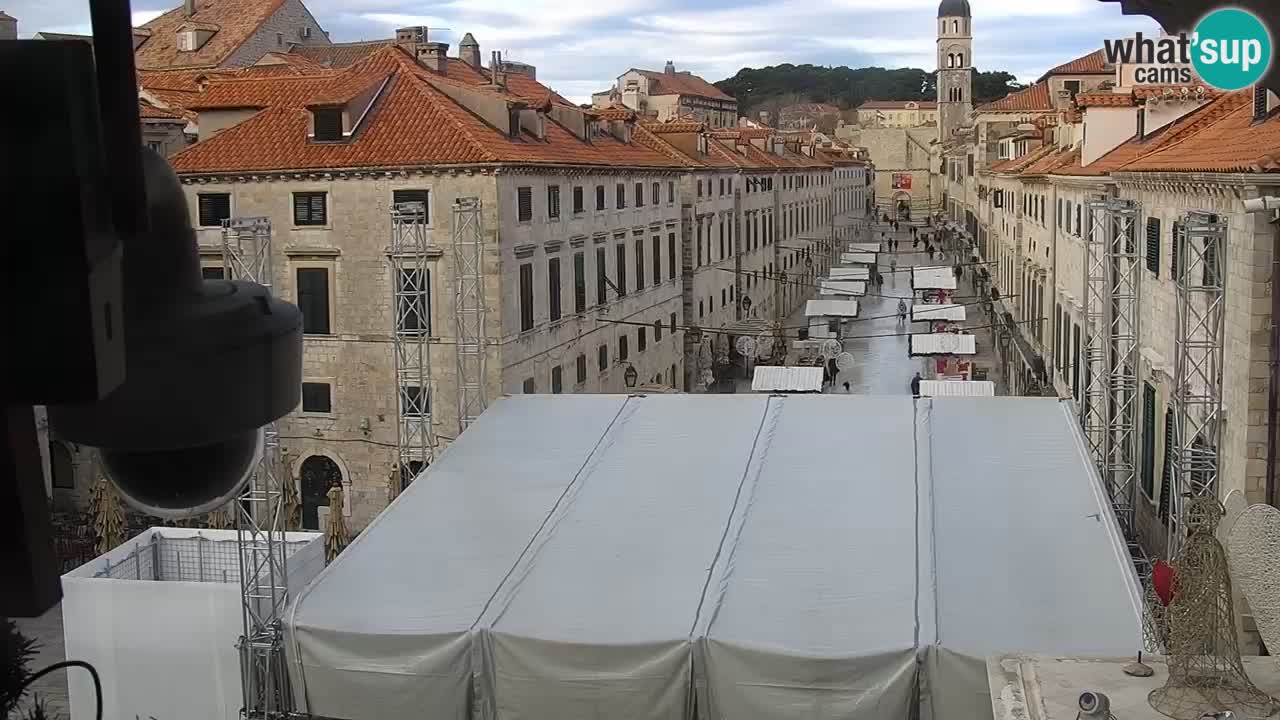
[690, 557]
[159, 618]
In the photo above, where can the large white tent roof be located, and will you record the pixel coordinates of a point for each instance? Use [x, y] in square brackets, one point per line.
[933, 277]
[579, 556]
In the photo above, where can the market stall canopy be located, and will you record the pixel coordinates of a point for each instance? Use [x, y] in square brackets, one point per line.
[865, 258]
[850, 273]
[942, 344]
[786, 379]
[869, 247]
[831, 308]
[949, 312]
[957, 388]
[827, 286]
[933, 277]
[585, 556]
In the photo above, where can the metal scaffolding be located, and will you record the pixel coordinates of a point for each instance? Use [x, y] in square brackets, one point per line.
[1200, 252]
[1113, 280]
[469, 309]
[260, 539]
[410, 338]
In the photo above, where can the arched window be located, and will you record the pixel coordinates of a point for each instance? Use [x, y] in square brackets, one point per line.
[319, 473]
[951, 60]
[955, 26]
[960, 60]
[61, 468]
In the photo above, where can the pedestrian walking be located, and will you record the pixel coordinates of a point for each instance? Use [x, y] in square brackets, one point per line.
[902, 312]
[915, 243]
[929, 249]
[893, 271]
[832, 370]
[959, 271]
[915, 386]
[846, 388]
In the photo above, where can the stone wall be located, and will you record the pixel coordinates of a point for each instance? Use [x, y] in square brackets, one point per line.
[283, 29]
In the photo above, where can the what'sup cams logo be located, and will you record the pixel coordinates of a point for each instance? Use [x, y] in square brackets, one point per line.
[1230, 49]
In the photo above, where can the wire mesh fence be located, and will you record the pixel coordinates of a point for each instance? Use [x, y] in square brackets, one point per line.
[181, 559]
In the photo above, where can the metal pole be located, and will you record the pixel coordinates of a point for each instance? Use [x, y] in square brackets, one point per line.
[1273, 388]
[200, 555]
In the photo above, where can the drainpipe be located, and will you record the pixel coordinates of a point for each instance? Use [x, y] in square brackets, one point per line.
[1272, 204]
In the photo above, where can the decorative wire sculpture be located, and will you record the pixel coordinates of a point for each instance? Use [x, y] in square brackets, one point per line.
[1206, 673]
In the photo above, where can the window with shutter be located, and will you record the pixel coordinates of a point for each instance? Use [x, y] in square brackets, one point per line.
[530, 386]
[557, 379]
[656, 195]
[1148, 440]
[213, 272]
[553, 288]
[526, 297]
[602, 284]
[1153, 245]
[671, 256]
[671, 191]
[1210, 265]
[622, 349]
[553, 201]
[657, 260]
[657, 330]
[214, 208]
[579, 282]
[1166, 474]
[414, 196]
[621, 192]
[620, 274]
[328, 125]
[673, 322]
[1175, 247]
[582, 369]
[642, 339]
[1075, 359]
[639, 265]
[602, 358]
[639, 194]
[313, 300]
[309, 208]
[577, 199]
[599, 197]
[316, 397]
[524, 204]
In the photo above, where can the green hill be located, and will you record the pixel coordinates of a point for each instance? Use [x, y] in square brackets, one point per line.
[774, 87]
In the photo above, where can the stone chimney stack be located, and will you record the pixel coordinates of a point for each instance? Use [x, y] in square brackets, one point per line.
[469, 51]
[412, 39]
[496, 71]
[435, 56]
[8, 26]
[670, 69]
[188, 7]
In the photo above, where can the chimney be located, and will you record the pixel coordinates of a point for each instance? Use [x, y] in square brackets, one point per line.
[497, 75]
[435, 56]
[411, 39]
[469, 51]
[189, 7]
[670, 69]
[8, 26]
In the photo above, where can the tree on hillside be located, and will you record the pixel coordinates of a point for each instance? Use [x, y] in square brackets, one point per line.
[758, 88]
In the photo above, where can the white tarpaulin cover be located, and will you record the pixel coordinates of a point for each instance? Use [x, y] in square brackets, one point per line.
[865, 258]
[773, 378]
[942, 344]
[933, 278]
[850, 273]
[949, 312]
[698, 557]
[870, 247]
[831, 308]
[957, 388]
[827, 286]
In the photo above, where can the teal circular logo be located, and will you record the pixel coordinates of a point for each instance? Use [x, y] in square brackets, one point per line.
[1231, 49]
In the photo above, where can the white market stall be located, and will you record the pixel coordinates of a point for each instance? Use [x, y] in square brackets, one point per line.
[159, 617]
[864, 258]
[850, 273]
[957, 388]
[933, 277]
[649, 549]
[868, 247]
[846, 288]
[928, 312]
[831, 308]
[772, 379]
[942, 344]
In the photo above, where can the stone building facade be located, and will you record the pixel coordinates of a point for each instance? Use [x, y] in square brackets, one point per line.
[224, 34]
[670, 95]
[955, 66]
[897, 113]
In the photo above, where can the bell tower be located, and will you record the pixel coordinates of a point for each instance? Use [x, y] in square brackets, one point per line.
[955, 66]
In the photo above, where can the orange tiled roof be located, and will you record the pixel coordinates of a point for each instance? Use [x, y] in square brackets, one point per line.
[616, 113]
[1018, 164]
[1032, 99]
[1146, 92]
[1073, 116]
[1095, 63]
[235, 20]
[340, 55]
[147, 111]
[1052, 161]
[410, 124]
[1220, 137]
[681, 83]
[898, 105]
[1105, 99]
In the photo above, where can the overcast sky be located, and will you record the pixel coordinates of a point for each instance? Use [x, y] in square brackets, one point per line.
[579, 47]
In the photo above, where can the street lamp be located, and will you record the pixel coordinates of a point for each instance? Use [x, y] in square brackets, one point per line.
[630, 376]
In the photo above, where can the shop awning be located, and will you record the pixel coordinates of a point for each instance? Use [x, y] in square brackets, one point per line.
[842, 287]
[831, 308]
[949, 312]
[865, 258]
[787, 379]
[850, 273]
[942, 344]
[933, 277]
[957, 388]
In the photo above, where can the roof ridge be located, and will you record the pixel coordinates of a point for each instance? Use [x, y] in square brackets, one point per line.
[1206, 119]
[433, 96]
[230, 133]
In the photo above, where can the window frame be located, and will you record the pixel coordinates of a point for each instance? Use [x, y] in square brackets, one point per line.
[524, 204]
[426, 200]
[200, 207]
[553, 202]
[328, 268]
[327, 383]
[309, 220]
[526, 297]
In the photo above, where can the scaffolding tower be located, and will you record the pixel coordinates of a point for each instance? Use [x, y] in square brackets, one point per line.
[1113, 280]
[1199, 252]
[469, 309]
[410, 339]
[246, 256]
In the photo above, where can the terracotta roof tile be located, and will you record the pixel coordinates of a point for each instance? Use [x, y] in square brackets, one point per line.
[1018, 164]
[410, 124]
[1105, 99]
[147, 111]
[1146, 92]
[236, 21]
[675, 126]
[681, 83]
[339, 55]
[1032, 99]
[898, 105]
[1220, 137]
[1095, 63]
[1052, 161]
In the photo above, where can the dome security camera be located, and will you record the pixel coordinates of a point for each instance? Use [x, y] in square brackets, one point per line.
[1094, 705]
[208, 363]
